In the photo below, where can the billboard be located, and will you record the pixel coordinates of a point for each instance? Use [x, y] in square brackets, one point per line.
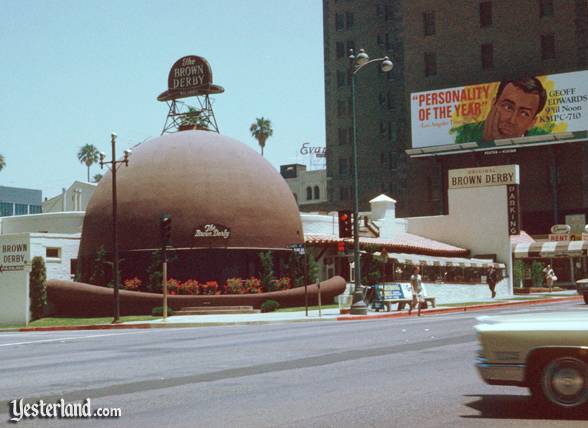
[500, 110]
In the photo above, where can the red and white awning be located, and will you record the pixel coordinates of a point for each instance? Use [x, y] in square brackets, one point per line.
[550, 249]
[422, 260]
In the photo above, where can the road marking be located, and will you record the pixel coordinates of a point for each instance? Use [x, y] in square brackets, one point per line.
[63, 339]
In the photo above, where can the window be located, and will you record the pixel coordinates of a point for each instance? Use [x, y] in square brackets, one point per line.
[382, 128]
[52, 253]
[382, 158]
[379, 10]
[6, 209]
[309, 193]
[341, 108]
[487, 55]
[545, 8]
[317, 192]
[388, 42]
[343, 166]
[393, 160]
[429, 23]
[341, 77]
[486, 14]
[350, 134]
[21, 209]
[343, 193]
[342, 136]
[382, 99]
[340, 49]
[430, 64]
[348, 20]
[339, 22]
[380, 41]
[389, 101]
[388, 12]
[35, 209]
[350, 45]
[548, 46]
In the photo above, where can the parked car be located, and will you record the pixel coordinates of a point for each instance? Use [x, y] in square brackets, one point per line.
[582, 287]
[547, 353]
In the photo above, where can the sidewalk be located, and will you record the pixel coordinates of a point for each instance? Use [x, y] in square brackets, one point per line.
[331, 314]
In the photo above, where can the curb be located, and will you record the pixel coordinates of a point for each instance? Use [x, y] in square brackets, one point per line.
[455, 309]
[403, 314]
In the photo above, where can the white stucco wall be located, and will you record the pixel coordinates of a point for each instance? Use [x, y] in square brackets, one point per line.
[59, 222]
[14, 285]
[477, 220]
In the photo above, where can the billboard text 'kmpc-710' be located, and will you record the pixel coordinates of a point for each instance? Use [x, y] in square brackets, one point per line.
[501, 110]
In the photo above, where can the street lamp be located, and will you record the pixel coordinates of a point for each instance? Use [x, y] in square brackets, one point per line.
[115, 164]
[356, 63]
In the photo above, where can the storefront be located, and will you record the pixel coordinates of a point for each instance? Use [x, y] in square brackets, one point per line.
[567, 258]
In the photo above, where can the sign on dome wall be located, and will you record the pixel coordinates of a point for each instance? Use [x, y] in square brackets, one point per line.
[212, 230]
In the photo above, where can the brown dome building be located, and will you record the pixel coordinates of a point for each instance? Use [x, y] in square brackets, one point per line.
[200, 178]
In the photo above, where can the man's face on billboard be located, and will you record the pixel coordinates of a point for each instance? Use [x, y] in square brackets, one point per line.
[513, 113]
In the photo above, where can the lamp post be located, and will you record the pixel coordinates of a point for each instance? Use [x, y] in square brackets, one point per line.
[357, 63]
[114, 166]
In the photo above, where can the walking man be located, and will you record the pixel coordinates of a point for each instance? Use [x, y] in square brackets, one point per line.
[418, 293]
[492, 279]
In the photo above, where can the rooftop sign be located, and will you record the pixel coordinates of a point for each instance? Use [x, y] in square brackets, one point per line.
[189, 76]
[500, 175]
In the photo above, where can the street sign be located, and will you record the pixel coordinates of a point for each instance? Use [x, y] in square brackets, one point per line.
[297, 248]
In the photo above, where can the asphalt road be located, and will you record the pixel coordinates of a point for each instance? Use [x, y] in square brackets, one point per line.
[381, 373]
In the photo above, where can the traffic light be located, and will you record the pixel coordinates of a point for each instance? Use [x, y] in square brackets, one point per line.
[345, 228]
[165, 226]
[341, 247]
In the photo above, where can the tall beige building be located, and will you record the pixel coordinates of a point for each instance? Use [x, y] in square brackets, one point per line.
[438, 44]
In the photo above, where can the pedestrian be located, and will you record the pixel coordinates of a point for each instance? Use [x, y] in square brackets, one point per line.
[549, 277]
[491, 280]
[418, 292]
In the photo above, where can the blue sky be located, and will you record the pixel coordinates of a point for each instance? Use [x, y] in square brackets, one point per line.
[74, 71]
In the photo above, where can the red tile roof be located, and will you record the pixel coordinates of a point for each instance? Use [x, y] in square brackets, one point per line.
[401, 242]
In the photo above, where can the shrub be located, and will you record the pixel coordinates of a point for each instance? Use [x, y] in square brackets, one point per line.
[172, 286]
[210, 287]
[37, 288]
[253, 285]
[267, 270]
[537, 273]
[189, 287]
[132, 284]
[283, 283]
[518, 272]
[269, 306]
[158, 311]
[234, 286]
[98, 276]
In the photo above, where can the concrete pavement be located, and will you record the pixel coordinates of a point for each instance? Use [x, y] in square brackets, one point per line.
[332, 314]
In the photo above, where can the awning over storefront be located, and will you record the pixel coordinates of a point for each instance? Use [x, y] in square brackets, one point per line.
[417, 259]
[401, 241]
[550, 249]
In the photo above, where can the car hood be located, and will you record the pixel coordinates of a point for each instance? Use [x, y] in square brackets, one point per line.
[534, 317]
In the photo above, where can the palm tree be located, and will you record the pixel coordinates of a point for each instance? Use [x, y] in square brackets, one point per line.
[2, 162]
[89, 155]
[261, 130]
[193, 118]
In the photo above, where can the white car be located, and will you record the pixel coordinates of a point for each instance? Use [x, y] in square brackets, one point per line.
[548, 353]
